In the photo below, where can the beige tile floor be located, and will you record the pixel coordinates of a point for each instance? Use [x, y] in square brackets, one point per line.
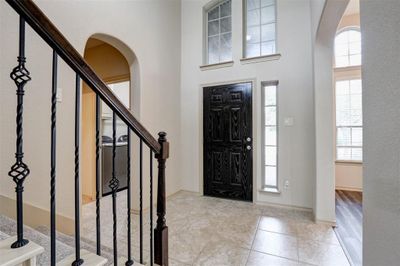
[217, 232]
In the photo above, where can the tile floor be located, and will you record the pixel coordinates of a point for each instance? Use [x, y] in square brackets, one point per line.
[217, 232]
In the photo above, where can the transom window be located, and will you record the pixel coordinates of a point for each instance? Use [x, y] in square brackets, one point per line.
[348, 48]
[260, 27]
[349, 131]
[219, 33]
[270, 141]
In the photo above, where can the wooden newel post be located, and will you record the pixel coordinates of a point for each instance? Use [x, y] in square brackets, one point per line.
[161, 230]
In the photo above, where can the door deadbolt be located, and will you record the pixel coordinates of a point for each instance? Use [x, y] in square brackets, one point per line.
[248, 147]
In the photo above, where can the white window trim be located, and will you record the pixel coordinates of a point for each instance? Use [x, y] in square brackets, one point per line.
[253, 59]
[344, 68]
[341, 161]
[207, 8]
[265, 188]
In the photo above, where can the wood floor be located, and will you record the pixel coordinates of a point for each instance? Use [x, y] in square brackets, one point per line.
[349, 224]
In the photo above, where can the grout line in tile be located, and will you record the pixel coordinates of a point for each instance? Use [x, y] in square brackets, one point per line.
[254, 237]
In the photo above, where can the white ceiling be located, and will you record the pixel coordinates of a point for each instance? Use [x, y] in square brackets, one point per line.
[352, 8]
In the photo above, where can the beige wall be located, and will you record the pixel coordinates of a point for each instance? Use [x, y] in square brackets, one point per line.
[111, 66]
[348, 176]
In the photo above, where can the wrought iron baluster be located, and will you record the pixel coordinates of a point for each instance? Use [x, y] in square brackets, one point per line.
[53, 162]
[19, 171]
[141, 202]
[151, 207]
[78, 260]
[129, 261]
[114, 184]
[98, 236]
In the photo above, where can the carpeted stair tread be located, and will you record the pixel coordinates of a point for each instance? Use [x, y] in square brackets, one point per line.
[9, 227]
[85, 243]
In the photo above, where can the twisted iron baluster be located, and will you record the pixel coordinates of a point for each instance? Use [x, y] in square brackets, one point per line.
[114, 184]
[78, 260]
[19, 171]
[129, 261]
[53, 163]
[98, 237]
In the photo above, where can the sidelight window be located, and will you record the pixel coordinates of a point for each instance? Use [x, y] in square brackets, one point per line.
[349, 130]
[219, 33]
[270, 136]
[260, 28]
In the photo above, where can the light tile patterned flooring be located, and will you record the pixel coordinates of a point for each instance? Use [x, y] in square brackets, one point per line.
[217, 232]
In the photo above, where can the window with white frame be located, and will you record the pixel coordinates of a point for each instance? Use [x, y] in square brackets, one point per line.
[270, 136]
[348, 48]
[260, 28]
[349, 131]
[219, 33]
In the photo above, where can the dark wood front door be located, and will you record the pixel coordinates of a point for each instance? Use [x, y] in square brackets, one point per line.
[227, 132]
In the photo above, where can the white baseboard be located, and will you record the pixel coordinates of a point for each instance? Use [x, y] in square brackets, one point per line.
[34, 216]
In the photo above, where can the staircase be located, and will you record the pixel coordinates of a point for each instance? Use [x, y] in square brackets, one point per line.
[46, 246]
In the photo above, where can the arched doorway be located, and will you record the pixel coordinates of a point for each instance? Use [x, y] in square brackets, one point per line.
[113, 67]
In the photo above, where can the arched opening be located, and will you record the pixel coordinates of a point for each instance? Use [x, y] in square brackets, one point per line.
[115, 68]
[348, 132]
[337, 82]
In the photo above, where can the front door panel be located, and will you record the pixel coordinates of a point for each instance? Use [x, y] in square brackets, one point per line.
[228, 141]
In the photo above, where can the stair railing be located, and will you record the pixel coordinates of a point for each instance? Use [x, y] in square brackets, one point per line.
[29, 13]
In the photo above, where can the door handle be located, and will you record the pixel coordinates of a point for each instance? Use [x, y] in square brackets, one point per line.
[248, 139]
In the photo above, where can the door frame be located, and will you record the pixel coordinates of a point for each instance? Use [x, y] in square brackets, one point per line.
[255, 143]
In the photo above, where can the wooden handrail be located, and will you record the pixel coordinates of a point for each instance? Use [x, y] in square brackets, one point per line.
[54, 38]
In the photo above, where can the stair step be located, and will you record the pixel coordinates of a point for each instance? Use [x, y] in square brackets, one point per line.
[85, 243]
[16, 256]
[90, 259]
[9, 227]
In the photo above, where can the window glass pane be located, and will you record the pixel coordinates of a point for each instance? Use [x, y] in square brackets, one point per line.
[252, 50]
[355, 48]
[213, 49]
[355, 60]
[213, 28]
[270, 136]
[226, 9]
[252, 4]
[253, 17]
[270, 95]
[348, 48]
[267, 48]
[270, 176]
[356, 136]
[213, 13]
[226, 25]
[267, 2]
[344, 153]
[343, 136]
[341, 49]
[356, 154]
[253, 34]
[270, 155]
[270, 116]
[226, 47]
[267, 14]
[268, 32]
[342, 61]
